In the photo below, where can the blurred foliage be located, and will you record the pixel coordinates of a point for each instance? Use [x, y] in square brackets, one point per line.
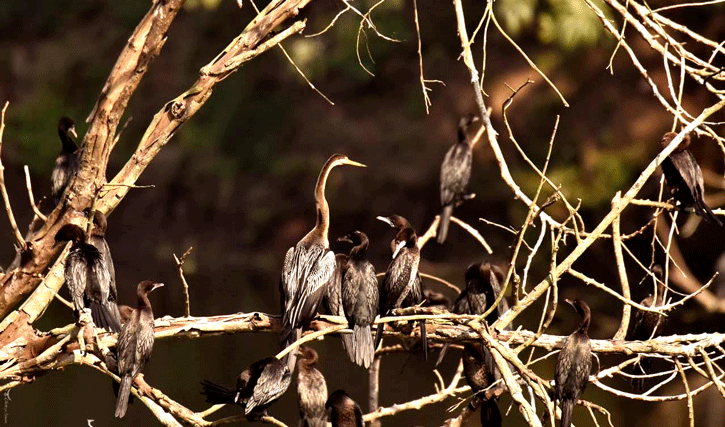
[566, 23]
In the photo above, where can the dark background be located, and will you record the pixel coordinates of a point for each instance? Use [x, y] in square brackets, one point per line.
[236, 181]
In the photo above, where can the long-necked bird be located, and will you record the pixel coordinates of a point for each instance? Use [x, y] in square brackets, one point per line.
[311, 390]
[88, 279]
[135, 343]
[684, 178]
[360, 299]
[455, 174]
[67, 162]
[258, 386]
[308, 266]
[573, 364]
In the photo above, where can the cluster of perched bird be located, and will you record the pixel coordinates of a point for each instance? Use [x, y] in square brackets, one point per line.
[346, 285]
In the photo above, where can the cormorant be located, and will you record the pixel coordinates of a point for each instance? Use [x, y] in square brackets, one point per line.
[455, 173]
[311, 390]
[135, 343]
[648, 325]
[482, 288]
[401, 286]
[573, 364]
[66, 163]
[344, 412]
[684, 178]
[480, 371]
[88, 279]
[333, 296]
[360, 299]
[308, 266]
[98, 239]
[258, 386]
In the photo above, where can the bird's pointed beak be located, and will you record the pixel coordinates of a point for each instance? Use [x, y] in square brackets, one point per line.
[353, 163]
[157, 285]
[72, 131]
[570, 302]
[344, 239]
[386, 220]
[398, 247]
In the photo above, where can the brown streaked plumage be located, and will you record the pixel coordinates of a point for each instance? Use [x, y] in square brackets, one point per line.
[308, 266]
[311, 389]
[573, 364]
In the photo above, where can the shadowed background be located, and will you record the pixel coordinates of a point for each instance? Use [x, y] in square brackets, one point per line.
[236, 181]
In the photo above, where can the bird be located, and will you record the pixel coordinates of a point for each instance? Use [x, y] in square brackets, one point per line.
[684, 178]
[67, 162]
[88, 279]
[481, 372]
[573, 364]
[648, 325]
[344, 412]
[311, 389]
[97, 238]
[401, 285]
[135, 343]
[455, 174]
[332, 300]
[482, 289]
[258, 386]
[308, 265]
[360, 298]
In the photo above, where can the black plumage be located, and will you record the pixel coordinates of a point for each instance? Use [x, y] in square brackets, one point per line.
[333, 296]
[455, 174]
[483, 285]
[402, 285]
[344, 412]
[88, 279]
[648, 325]
[135, 343]
[308, 266]
[311, 390]
[98, 239]
[480, 372]
[684, 178]
[67, 162]
[360, 299]
[258, 386]
[573, 364]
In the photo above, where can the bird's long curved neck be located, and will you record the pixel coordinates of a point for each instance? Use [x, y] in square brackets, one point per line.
[68, 145]
[463, 135]
[361, 248]
[584, 325]
[143, 300]
[660, 296]
[322, 224]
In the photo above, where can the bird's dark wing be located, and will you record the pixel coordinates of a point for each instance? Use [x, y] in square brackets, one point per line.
[76, 275]
[272, 383]
[313, 267]
[455, 173]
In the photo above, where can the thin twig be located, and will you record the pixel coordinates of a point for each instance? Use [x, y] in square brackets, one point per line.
[30, 195]
[6, 199]
[180, 265]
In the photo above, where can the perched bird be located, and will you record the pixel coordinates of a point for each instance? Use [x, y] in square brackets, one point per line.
[308, 265]
[455, 173]
[332, 299]
[344, 412]
[135, 343]
[311, 390]
[480, 371]
[258, 386]
[436, 300]
[573, 364]
[66, 163]
[88, 279]
[401, 286]
[684, 178]
[648, 325]
[98, 239]
[482, 289]
[360, 299]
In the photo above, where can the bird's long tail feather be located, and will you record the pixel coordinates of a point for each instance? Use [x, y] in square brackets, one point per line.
[443, 225]
[567, 407]
[103, 316]
[362, 350]
[123, 394]
[216, 393]
[706, 213]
